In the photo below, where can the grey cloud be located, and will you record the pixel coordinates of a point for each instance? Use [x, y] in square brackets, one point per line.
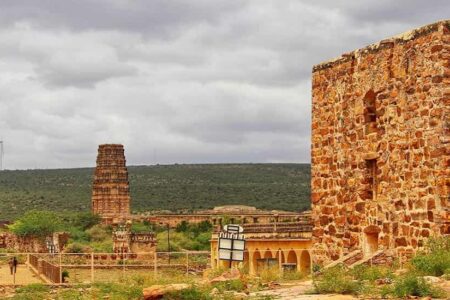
[175, 81]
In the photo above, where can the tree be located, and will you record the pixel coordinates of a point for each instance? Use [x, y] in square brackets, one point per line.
[36, 223]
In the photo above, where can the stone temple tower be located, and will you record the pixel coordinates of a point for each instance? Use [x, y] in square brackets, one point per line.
[110, 192]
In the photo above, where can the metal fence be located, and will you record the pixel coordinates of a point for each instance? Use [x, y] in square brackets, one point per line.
[97, 267]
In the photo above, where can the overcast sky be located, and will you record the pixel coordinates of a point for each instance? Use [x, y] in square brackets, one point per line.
[195, 81]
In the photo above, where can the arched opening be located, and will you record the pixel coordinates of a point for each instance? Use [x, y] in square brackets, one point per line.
[370, 113]
[290, 264]
[268, 261]
[256, 259]
[305, 262]
[370, 240]
[246, 262]
[292, 257]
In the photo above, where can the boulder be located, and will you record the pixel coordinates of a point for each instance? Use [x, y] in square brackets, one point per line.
[158, 291]
[233, 274]
[432, 279]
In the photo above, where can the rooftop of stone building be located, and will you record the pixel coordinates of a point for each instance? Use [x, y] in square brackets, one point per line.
[396, 39]
[290, 230]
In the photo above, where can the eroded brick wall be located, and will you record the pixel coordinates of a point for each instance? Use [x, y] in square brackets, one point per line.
[380, 151]
[110, 193]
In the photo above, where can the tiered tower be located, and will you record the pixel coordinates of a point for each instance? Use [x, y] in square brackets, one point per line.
[110, 192]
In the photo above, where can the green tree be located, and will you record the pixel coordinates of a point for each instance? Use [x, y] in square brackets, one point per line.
[37, 224]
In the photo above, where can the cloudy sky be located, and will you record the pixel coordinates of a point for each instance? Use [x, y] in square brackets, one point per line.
[194, 81]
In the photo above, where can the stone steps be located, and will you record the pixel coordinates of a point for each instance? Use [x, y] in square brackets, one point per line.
[367, 259]
[346, 260]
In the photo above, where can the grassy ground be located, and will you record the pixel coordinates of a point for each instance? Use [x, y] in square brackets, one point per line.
[178, 187]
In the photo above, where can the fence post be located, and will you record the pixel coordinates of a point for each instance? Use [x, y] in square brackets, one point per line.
[92, 267]
[187, 263]
[60, 268]
[155, 262]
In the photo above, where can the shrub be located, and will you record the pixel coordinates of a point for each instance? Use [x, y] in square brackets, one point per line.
[36, 223]
[269, 274]
[98, 233]
[119, 291]
[141, 227]
[372, 273]
[77, 248]
[33, 288]
[335, 280]
[193, 293]
[293, 275]
[230, 285]
[435, 260]
[411, 285]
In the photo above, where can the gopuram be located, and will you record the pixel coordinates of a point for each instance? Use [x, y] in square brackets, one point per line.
[110, 192]
[380, 147]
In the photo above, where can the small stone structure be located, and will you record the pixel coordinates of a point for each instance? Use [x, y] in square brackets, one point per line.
[235, 213]
[125, 241]
[110, 192]
[380, 146]
[33, 244]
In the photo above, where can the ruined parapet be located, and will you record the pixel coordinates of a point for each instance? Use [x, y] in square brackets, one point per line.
[110, 192]
[380, 145]
[126, 241]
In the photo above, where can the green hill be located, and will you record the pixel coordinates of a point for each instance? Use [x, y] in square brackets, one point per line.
[173, 187]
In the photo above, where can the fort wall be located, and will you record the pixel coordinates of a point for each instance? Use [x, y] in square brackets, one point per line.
[380, 145]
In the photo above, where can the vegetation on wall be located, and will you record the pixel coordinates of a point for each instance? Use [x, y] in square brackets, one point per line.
[382, 280]
[161, 187]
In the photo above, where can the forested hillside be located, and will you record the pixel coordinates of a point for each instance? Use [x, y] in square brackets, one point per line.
[174, 187]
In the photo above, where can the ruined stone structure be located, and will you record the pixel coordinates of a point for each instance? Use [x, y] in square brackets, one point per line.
[380, 146]
[11, 241]
[110, 192]
[236, 213]
[125, 241]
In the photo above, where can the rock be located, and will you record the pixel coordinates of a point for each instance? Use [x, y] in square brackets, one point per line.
[239, 296]
[432, 279]
[382, 281]
[214, 292]
[233, 274]
[158, 291]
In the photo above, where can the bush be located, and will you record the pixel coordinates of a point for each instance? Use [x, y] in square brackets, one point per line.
[293, 275]
[335, 280]
[411, 285]
[98, 233]
[77, 248]
[119, 291]
[435, 260]
[372, 273]
[33, 288]
[230, 285]
[193, 293]
[37, 224]
[141, 227]
[269, 274]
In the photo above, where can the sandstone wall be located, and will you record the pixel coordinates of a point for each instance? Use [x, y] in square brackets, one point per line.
[111, 193]
[380, 145]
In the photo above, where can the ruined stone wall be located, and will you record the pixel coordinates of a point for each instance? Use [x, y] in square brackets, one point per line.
[380, 145]
[110, 193]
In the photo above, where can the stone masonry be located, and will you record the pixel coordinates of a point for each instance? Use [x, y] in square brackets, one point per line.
[111, 193]
[380, 146]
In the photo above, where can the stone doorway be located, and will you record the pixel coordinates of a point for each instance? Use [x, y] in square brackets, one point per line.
[370, 240]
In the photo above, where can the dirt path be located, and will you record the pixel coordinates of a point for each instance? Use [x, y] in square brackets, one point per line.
[23, 275]
[298, 292]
